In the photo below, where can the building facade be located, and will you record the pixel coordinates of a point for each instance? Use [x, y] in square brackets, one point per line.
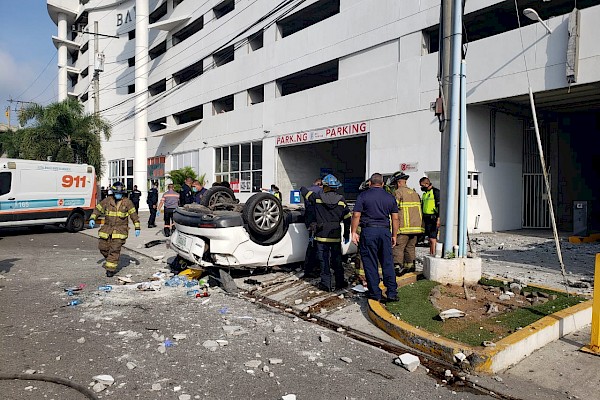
[256, 92]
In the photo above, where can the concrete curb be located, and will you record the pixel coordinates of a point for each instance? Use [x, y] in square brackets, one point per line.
[507, 352]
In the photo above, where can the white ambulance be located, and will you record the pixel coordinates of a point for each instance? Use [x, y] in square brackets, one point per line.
[37, 193]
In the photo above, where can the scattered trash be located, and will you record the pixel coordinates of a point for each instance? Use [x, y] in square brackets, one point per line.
[234, 330]
[223, 310]
[252, 282]
[346, 359]
[147, 286]
[124, 279]
[105, 288]
[451, 313]
[161, 348]
[184, 397]
[340, 329]
[222, 342]
[75, 288]
[408, 361]
[168, 343]
[497, 378]
[74, 302]
[359, 289]
[191, 273]
[153, 243]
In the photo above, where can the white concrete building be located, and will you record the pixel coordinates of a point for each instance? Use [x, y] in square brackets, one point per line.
[260, 91]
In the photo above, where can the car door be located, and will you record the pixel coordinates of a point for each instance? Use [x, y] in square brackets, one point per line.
[7, 198]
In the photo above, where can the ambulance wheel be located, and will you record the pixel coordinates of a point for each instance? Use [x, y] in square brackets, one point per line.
[75, 222]
[218, 195]
[263, 213]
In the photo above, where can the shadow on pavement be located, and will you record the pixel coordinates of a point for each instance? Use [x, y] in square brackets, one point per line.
[7, 264]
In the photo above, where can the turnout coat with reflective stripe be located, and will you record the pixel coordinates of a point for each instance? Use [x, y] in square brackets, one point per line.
[116, 217]
[330, 209]
[409, 207]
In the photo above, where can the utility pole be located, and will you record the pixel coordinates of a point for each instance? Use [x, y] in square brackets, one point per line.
[18, 111]
[8, 116]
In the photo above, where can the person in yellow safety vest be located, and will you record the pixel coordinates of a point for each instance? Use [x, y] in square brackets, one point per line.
[410, 224]
[117, 209]
[430, 204]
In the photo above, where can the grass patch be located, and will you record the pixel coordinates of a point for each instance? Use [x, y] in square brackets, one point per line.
[416, 309]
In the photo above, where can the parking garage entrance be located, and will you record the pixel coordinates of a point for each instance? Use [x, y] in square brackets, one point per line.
[340, 150]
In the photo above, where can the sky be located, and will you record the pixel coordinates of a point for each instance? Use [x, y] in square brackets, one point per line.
[26, 54]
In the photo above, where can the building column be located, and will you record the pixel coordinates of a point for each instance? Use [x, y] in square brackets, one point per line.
[62, 58]
[140, 162]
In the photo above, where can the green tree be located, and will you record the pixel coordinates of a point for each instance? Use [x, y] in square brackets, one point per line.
[10, 143]
[178, 176]
[63, 132]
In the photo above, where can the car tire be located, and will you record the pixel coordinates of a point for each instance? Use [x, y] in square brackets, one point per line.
[275, 237]
[75, 222]
[263, 214]
[218, 195]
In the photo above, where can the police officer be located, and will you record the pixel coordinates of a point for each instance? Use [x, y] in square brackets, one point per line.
[170, 200]
[135, 196]
[112, 236]
[311, 262]
[198, 190]
[152, 202]
[186, 195]
[330, 210]
[372, 211]
[430, 203]
[410, 223]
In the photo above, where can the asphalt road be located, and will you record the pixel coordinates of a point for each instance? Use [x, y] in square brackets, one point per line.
[109, 330]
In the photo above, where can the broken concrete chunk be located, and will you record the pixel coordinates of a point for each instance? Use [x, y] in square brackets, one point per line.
[288, 397]
[81, 340]
[277, 329]
[298, 301]
[579, 284]
[451, 313]
[408, 361]
[161, 349]
[184, 397]
[448, 373]
[156, 386]
[515, 288]
[459, 357]
[324, 338]
[275, 361]
[504, 297]
[340, 329]
[211, 344]
[346, 359]
[492, 308]
[98, 387]
[158, 258]
[131, 365]
[222, 342]
[253, 363]
[487, 343]
[104, 379]
[179, 336]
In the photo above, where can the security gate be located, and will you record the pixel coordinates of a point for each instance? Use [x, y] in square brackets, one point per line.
[535, 196]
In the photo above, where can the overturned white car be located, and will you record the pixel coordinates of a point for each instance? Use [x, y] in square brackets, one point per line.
[259, 233]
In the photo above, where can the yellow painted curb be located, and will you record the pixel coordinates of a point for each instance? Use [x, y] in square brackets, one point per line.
[482, 359]
[585, 239]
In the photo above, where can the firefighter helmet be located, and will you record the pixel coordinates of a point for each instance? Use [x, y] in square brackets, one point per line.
[331, 181]
[117, 188]
[396, 177]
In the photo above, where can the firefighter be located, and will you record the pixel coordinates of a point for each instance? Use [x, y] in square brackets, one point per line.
[410, 224]
[116, 209]
[330, 210]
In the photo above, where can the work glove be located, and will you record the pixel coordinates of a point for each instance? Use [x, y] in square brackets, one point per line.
[92, 224]
[137, 233]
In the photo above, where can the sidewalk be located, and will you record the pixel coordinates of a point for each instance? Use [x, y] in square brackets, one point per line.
[557, 371]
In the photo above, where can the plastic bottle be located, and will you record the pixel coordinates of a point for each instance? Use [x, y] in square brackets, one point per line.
[105, 288]
[190, 283]
[69, 293]
[74, 302]
[193, 292]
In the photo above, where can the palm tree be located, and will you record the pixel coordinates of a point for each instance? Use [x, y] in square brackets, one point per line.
[62, 132]
[178, 176]
[10, 143]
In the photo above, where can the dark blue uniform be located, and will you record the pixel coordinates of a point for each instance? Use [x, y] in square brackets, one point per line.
[199, 195]
[186, 196]
[311, 262]
[375, 245]
[152, 201]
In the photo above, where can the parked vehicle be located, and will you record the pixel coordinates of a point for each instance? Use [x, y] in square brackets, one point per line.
[37, 193]
[260, 233]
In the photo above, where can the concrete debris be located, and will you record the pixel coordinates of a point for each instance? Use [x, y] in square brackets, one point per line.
[158, 258]
[30, 371]
[104, 379]
[515, 288]
[509, 293]
[81, 340]
[179, 336]
[296, 319]
[184, 397]
[504, 297]
[408, 361]
[277, 329]
[250, 371]
[341, 296]
[288, 310]
[451, 313]
[448, 373]
[212, 345]
[579, 284]
[459, 357]
[487, 343]
[359, 289]
[124, 279]
[498, 379]
[340, 329]
[288, 397]
[492, 308]
[275, 361]
[161, 348]
[156, 387]
[324, 338]
[253, 363]
[298, 301]
[222, 342]
[98, 387]
[346, 359]
[131, 365]
[265, 368]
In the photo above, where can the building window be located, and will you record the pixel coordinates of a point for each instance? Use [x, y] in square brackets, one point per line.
[187, 159]
[158, 13]
[158, 124]
[309, 78]
[156, 172]
[188, 73]
[74, 56]
[85, 72]
[158, 50]
[131, 62]
[224, 8]
[256, 95]
[224, 56]
[308, 16]
[240, 165]
[256, 41]
[473, 184]
[84, 97]
[74, 79]
[188, 31]
[131, 34]
[222, 105]
[157, 87]
[131, 89]
[121, 171]
[84, 48]
[189, 115]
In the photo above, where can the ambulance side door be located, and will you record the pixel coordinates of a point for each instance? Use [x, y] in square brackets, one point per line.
[7, 197]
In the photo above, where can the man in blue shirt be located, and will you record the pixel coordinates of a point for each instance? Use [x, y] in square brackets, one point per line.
[372, 212]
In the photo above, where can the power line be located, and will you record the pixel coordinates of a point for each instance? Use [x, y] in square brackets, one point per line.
[39, 75]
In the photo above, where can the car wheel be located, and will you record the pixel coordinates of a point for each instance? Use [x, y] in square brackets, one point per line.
[275, 237]
[75, 222]
[263, 213]
[218, 195]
